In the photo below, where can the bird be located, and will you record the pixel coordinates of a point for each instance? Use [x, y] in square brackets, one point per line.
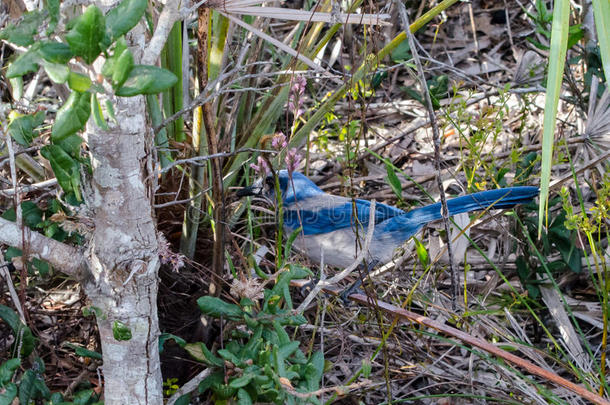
[328, 226]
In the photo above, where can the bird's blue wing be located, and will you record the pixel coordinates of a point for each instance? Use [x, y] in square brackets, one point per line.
[338, 215]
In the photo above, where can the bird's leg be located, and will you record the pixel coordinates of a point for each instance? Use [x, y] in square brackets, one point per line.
[355, 286]
[307, 288]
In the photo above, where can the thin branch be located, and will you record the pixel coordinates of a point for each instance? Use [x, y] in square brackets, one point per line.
[393, 311]
[65, 258]
[167, 19]
[19, 152]
[276, 43]
[189, 386]
[199, 160]
[30, 187]
[437, 147]
[11, 288]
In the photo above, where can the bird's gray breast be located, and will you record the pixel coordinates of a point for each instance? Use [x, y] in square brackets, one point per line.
[340, 247]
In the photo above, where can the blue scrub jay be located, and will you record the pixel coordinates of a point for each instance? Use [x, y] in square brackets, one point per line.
[329, 223]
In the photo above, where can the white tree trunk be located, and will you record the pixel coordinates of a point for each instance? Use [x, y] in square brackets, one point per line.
[118, 270]
[123, 257]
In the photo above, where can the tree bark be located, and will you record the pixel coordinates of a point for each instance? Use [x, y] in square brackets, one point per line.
[118, 265]
[123, 256]
[119, 268]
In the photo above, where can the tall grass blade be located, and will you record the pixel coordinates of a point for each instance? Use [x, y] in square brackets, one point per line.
[171, 59]
[601, 12]
[557, 57]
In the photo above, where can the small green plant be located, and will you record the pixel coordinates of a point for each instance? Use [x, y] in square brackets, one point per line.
[594, 225]
[170, 386]
[542, 19]
[261, 363]
[558, 237]
[27, 384]
[88, 36]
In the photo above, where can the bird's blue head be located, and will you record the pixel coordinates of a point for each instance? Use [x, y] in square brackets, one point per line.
[293, 187]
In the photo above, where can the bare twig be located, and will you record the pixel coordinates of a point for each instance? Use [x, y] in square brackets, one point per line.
[199, 160]
[394, 311]
[61, 256]
[437, 146]
[168, 17]
[11, 288]
[189, 386]
[30, 187]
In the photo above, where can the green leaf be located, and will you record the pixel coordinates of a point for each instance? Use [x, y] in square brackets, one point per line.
[559, 42]
[71, 145]
[79, 82]
[422, 253]
[183, 400]
[393, 180]
[119, 47]
[121, 19]
[145, 79]
[215, 307]
[57, 72]
[297, 272]
[293, 236]
[65, 168]
[224, 391]
[72, 116]
[212, 381]
[167, 336]
[282, 335]
[81, 351]
[82, 397]
[25, 63]
[55, 52]
[241, 381]
[601, 12]
[23, 32]
[52, 7]
[122, 68]
[120, 331]
[110, 111]
[87, 34]
[98, 117]
[200, 352]
[314, 371]
[20, 331]
[31, 214]
[8, 393]
[22, 128]
[27, 389]
[56, 398]
[243, 398]
[227, 355]
[286, 350]
[7, 370]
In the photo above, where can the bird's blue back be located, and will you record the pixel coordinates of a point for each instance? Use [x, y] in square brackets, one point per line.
[332, 225]
[317, 212]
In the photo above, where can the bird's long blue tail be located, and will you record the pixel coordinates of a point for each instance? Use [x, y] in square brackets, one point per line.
[496, 199]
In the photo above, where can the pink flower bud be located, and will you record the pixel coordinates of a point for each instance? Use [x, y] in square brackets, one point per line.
[279, 141]
[293, 159]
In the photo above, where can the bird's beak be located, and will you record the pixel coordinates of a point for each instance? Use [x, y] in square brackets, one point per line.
[254, 189]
